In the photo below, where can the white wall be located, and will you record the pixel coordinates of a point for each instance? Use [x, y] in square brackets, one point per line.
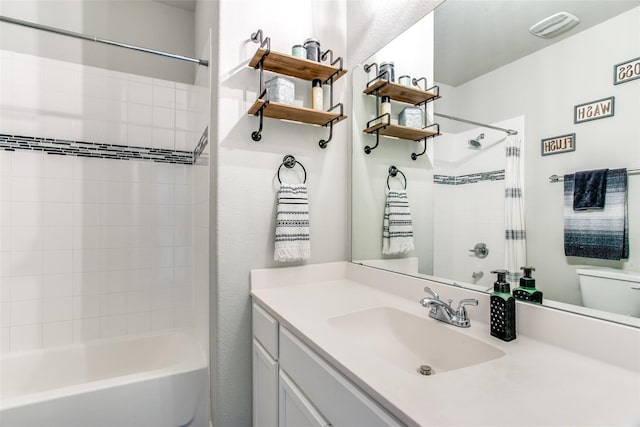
[544, 87]
[246, 179]
[371, 171]
[90, 247]
[141, 23]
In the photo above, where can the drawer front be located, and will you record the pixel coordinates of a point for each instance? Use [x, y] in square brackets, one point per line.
[265, 388]
[341, 402]
[295, 408]
[265, 329]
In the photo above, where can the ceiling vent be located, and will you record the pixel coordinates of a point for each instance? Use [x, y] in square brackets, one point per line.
[554, 25]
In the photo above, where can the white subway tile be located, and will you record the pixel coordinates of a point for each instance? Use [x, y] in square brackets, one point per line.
[138, 301]
[27, 98]
[24, 288]
[5, 340]
[183, 297]
[140, 93]
[114, 259]
[183, 317]
[86, 306]
[86, 329]
[139, 114]
[27, 189]
[112, 304]
[164, 96]
[57, 238]
[86, 283]
[25, 312]
[58, 214]
[86, 214]
[182, 100]
[57, 127]
[25, 263]
[26, 239]
[26, 122]
[27, 164]
[162, 319]
[112, 326]
[57, 262]
[86, 238]
[57, 285]
[138, 323]
[28, 337]
[111, 191]
[116, 88]
[161, 298]
[86, 169]
[56, 334]
[113, 281]
[86, 260]
[58, 190]
[163, 139]
[59, 167]
[57, 309]
[139, 136]
[112, 237]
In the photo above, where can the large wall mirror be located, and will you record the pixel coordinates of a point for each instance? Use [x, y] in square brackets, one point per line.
[500, 86]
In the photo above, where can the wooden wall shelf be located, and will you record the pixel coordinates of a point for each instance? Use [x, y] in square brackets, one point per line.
[397, 92]
[278, 110]
[288, 65]
[403, 132]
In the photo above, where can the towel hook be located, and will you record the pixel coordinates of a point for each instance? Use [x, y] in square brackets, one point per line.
[393, 172]
[289, 162]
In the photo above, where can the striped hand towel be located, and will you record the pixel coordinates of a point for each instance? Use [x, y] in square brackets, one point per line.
[397, 229]
[292, 224]
[602, 233]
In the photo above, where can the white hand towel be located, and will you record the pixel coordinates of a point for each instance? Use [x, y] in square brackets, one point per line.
[292, 224]
[397, 229]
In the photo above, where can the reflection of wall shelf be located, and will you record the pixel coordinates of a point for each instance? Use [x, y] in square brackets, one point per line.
[278, 110]
[288, 65]
[407, 94]
[403, 132]
[266, 59]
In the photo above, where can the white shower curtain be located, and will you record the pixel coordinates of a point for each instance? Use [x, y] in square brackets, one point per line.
[515, 234]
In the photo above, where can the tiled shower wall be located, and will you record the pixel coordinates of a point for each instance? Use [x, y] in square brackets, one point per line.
[93, 247]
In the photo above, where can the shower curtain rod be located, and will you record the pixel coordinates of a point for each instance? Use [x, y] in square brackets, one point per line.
[100, 40]
[471, 122]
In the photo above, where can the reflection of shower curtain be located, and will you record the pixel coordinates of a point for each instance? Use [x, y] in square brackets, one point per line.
[515, 234]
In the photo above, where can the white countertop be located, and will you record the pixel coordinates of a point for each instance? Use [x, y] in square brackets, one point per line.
[535, 383]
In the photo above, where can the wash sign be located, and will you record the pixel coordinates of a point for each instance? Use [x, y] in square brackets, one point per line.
[593, 110]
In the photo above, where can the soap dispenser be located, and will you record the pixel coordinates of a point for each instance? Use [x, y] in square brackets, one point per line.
[527, 290]
[503, 309]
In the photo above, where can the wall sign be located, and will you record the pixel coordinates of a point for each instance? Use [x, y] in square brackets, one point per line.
[558, 144]
[593, 110]
[626, 71]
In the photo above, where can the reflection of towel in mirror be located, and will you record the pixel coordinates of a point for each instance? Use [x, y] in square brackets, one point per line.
[292, 224]
[601, 233]
[589, 189]
[397, 229]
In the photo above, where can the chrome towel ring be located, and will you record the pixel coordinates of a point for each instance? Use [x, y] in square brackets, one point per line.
[393, 172]
[289, 162]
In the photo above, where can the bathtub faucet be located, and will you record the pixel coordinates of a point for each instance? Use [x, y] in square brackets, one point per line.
[443, 311]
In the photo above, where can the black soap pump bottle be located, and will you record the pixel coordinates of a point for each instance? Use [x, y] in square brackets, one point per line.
[527, 290]
[503, 309]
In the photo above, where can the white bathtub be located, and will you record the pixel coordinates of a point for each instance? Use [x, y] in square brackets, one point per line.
[150, 381]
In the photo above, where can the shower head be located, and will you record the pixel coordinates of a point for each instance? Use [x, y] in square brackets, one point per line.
[475, 143]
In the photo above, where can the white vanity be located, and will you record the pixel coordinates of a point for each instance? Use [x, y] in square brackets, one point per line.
[340, 344]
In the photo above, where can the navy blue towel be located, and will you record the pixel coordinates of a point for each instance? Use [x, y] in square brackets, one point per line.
[589, 188]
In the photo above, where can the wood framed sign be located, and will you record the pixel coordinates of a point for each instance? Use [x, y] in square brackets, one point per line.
[558, 144]
[594, 110]
[626, 71]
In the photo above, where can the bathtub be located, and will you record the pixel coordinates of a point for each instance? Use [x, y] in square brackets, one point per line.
[146, 381]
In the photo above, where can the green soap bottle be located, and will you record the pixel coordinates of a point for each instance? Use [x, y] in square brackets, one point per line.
[503, 309]
[527, 290]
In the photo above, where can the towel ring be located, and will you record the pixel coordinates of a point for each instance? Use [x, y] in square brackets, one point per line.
[393, 172]
[289, 162]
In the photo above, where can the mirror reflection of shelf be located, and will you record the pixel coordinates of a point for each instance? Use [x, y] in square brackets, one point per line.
[293, 66]
[402, 93]
[279, 110]
[403, 132]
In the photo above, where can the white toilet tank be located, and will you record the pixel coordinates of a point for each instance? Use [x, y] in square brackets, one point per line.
[610, 290]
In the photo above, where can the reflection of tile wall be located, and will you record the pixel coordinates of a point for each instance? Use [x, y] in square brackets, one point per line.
[93, 247]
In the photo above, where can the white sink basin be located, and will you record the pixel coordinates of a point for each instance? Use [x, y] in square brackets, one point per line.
[409, 341]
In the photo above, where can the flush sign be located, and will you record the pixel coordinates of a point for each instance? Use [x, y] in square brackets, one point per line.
[559, 144]
[593, 110]
[626, 71]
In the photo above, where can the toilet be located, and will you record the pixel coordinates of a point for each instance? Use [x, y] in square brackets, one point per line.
[610, 290]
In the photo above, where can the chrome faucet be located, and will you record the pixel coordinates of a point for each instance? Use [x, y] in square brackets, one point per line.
[443, 311]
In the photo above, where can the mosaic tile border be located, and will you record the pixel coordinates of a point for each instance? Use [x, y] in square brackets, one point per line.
[97, 150]
[470, 178]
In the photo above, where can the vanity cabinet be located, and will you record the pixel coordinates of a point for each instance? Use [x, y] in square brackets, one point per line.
[293, 386]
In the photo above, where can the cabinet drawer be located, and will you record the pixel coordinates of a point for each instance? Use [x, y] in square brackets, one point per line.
[341, 402]
[295, 409]
[265, 329]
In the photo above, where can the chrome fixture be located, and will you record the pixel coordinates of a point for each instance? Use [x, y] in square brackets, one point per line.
[471, 122]
[477, 275]
[443, 312]
[95, 39]
[554, 25]
[480, 250]
[475, 144]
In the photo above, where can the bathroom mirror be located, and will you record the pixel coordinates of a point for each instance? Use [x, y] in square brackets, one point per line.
[489, 69]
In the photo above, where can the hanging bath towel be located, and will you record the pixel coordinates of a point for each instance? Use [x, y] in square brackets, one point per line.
[292, 224]
[515, 233]
[397, 229]
[601, 233]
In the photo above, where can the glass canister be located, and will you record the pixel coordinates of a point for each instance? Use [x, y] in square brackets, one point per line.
[387, 69]
[405, 80]
[312, 46]
[299, 51]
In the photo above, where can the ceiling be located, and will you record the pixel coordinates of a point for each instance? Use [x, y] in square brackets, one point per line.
[189, 5]
[473, 37]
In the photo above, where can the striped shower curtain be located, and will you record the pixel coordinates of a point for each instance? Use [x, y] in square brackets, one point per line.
[515, 234]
